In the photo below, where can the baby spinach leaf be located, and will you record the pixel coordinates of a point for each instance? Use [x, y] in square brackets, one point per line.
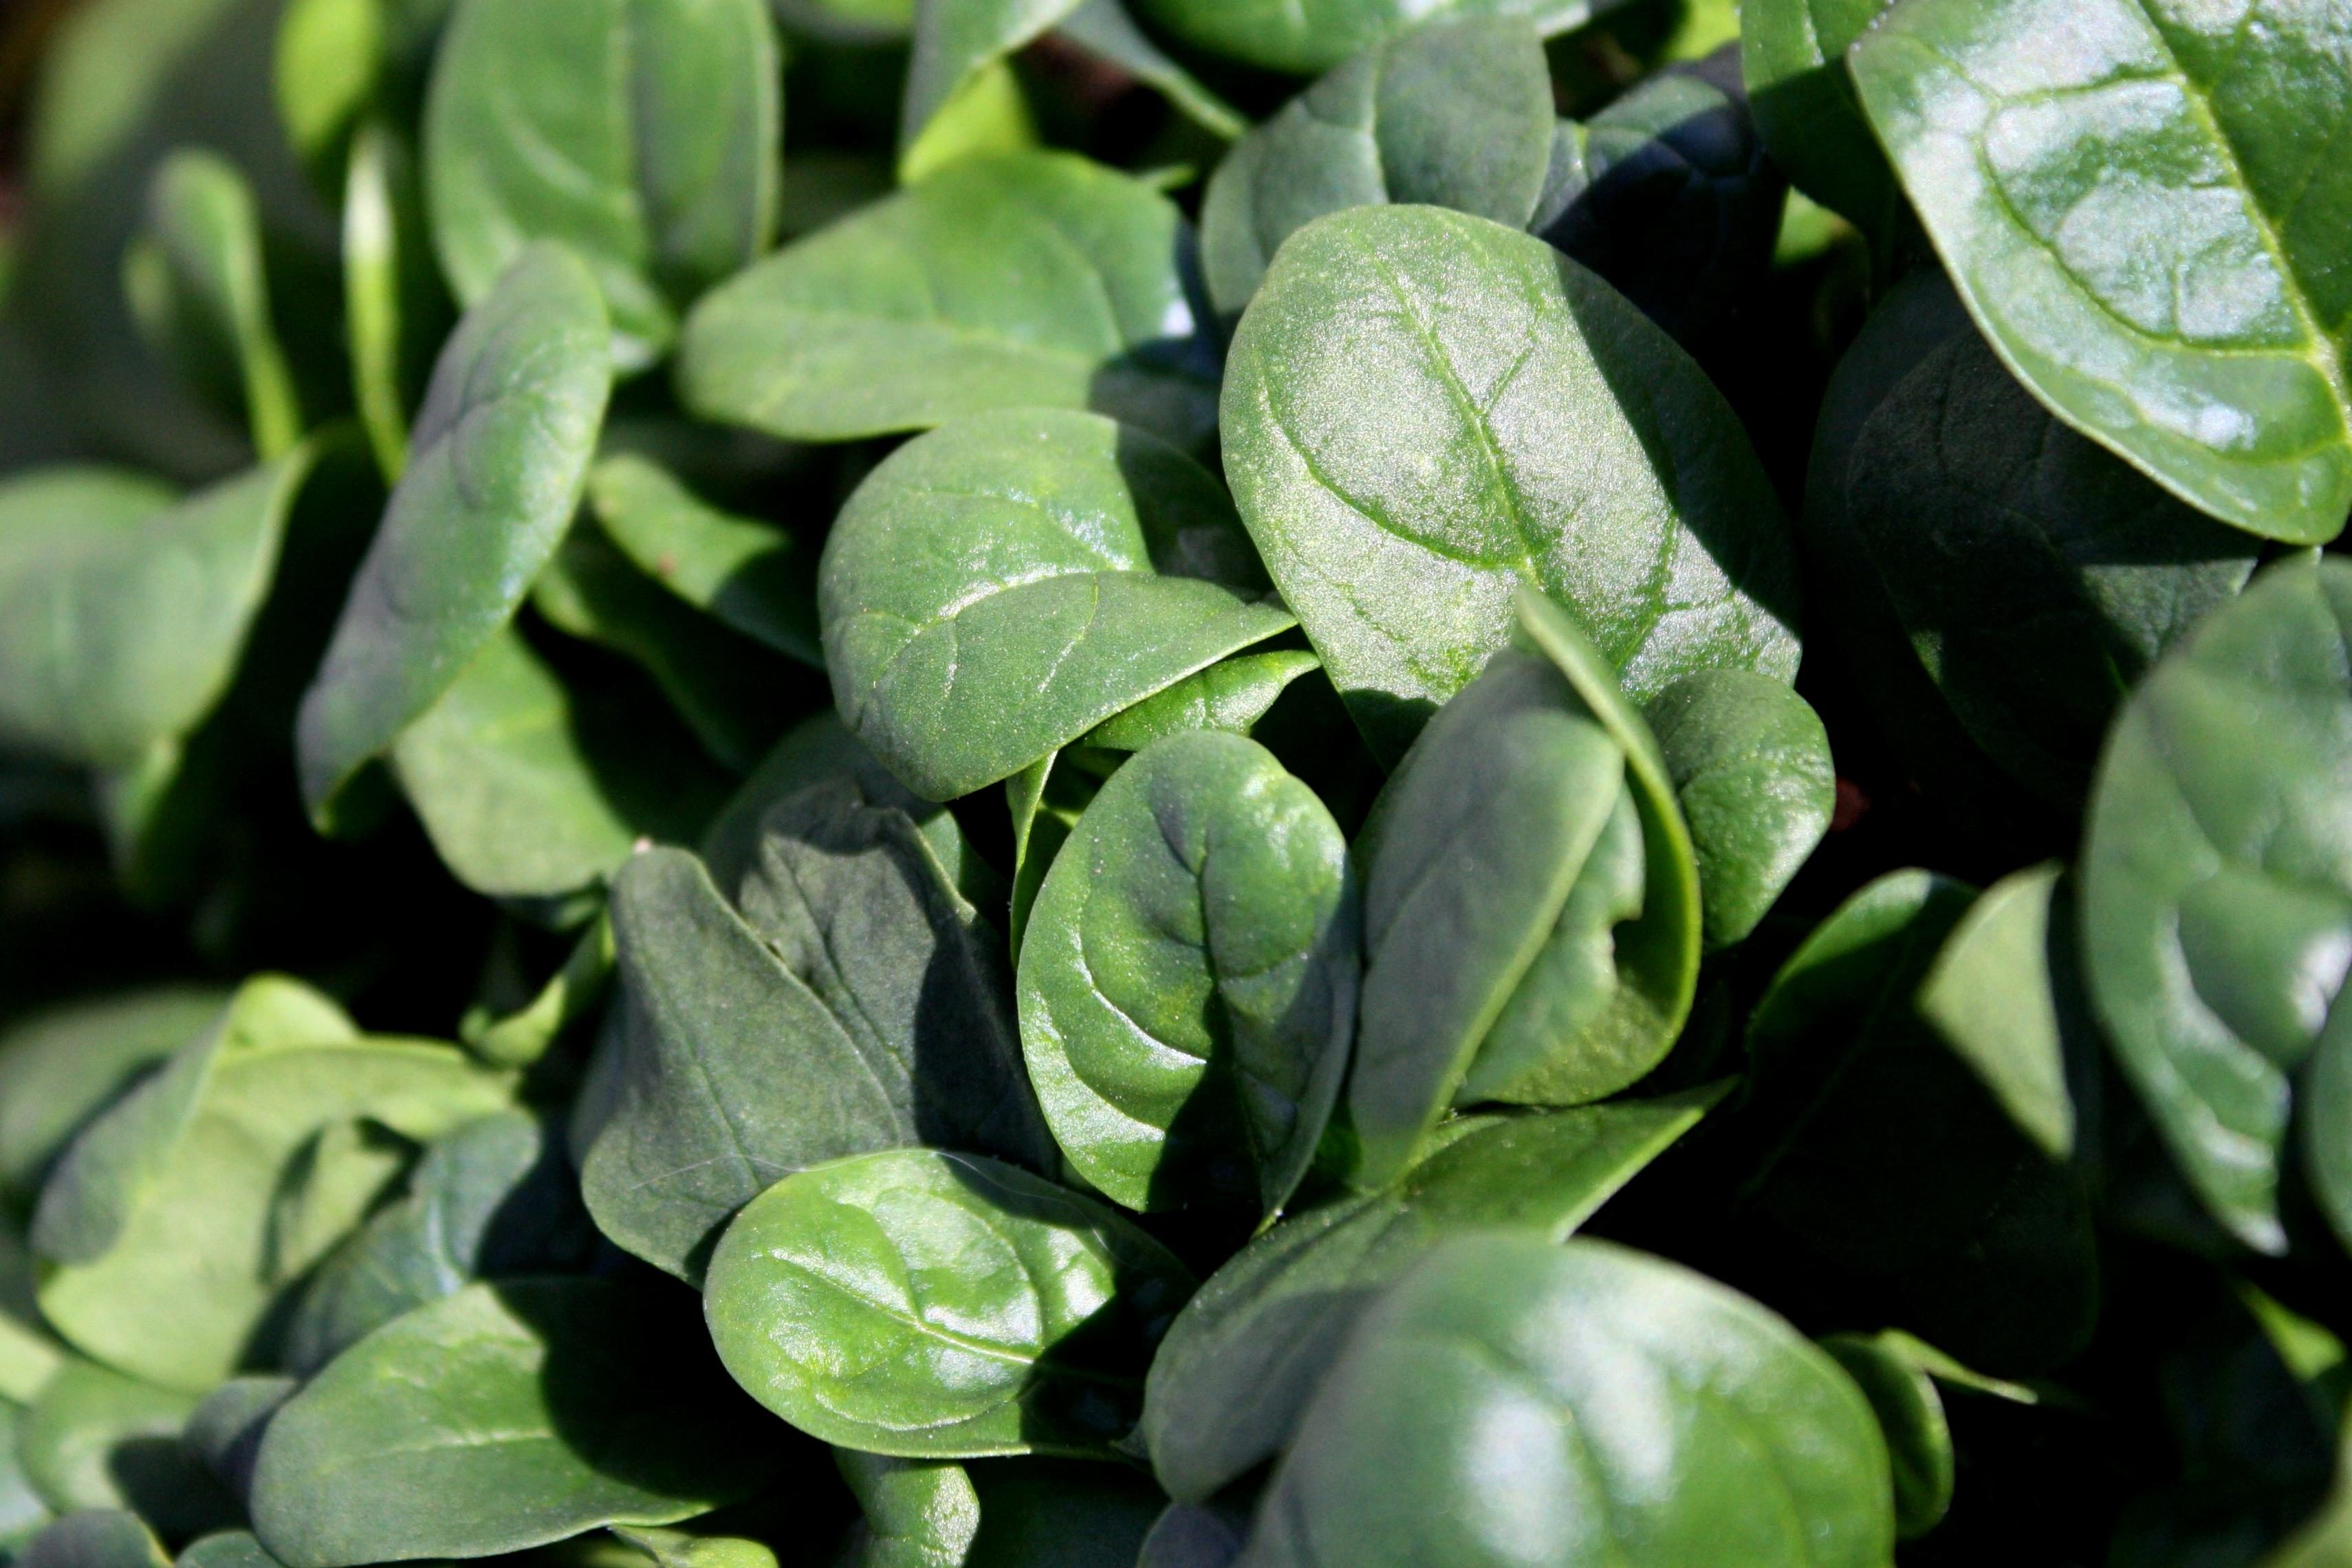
[2146, 227]
[227, 1549]
[529, 789]
[1194, 1535]
[282, 1149]
[63, 1067]
[1792, 54]
[97, 1439]
[572, 992]
[1247, 1353]
[201, 293]
[123, 612]
[850, 21]
[507, 1416]
[1531, 904]
[1510, 1401]
[94, 1538]
[1060, 1513]
[932, 1305]
[644, 134]
[685, 1549]
[1911, 1416]
[1231, 695]
[1040, 827]
[1001, 585]
[1530, 428]
[500, 458]
[1029, 279]
[754, 576]
[226, 1429]
[2214, 905]
[395, 309]
[22, 1512]
[1188, 980]
[1304, 36]
[1456, 114]
[1993, 995]
[859, 1006]
[1751, 770]
[917, 1514]
[492, 1200]
[328, 65]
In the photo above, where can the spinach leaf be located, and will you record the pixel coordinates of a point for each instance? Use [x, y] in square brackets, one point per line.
[1194, 1535]
[96, 1538]
[227, 1549]
[2004, 995]
[1246, 1355]
[1531, 904]
[2213, 902]
[1188, 980]
[917, 1514]
[1304, 36]
[1792, 53]
[1531, 429]
[1751, 770]
[662, 174]
[22, 1512]
[940, 1306]
[97, 1439]
[500, 458]
[1031, 279]
[505, 1416]
[2146, 227]
[61, 1067]
[395, 310]
[754, 577]
[1002, 584]
[1060, 1513]
[1911, 1416]
[225, 1428]
[1456, 114]
[572, 992]
[1231, 695]
[1509, 1401]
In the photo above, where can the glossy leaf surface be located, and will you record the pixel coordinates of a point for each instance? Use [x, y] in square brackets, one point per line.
[1231, 695]
[918, 1514]
[1911, 1416]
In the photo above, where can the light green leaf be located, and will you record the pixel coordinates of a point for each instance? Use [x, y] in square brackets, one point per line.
[754, 576]
[971, 628]
[1751, 769]
[96, 1538]
[1103, 27]
[1302, 36]
[917, 1514]
[329, 56]
[1458, 114]
[2217, 908]
[1231, 695]
[226, 1429]
[395, 310]
[1027, 279]
[60, 1068]
[1993, 995]
[1514, 1402]
[2147, 227]
[934, 1305]
[573, 992]
[644, 134]
[97, 1439]
[1911, 1416]
[1188, 980]
[508, 1416]
[22, 1512]
[1248, 1352]
[500, 458]
[1427, 411]
[683, 1549]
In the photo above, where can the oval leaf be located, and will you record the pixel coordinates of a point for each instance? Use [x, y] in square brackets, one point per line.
[1792, 56]
[1305, 36]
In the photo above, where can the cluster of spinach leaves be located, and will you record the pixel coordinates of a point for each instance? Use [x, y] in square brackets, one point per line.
[1193, 782]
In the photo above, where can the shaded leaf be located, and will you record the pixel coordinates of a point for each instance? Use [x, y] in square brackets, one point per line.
[754, 576]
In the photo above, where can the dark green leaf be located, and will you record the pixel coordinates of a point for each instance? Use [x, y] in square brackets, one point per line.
[1427, 411]
[1993, 996]
[1305, 36]
[1233, 695]
[754, 576]
[1792, 54]
[917, 1514]
[1031, 279]
[101, 1538]
[1458, 114]
[506, 1417]
[1911, 1415]
[225, 1431]
[227, 1549]
[940, 1306]
[1194, 1535]
[97, 1439]
[971, 625]
[1513, 1402]
[501, 457]
[1188, 980]
[59, 1068]
[644, 134]
[2147, 226]
[1248, 1352]
[1060, 1513]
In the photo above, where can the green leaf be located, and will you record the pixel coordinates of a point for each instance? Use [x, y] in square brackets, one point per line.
[1188, 980]
[1302, 36]
[507, 1416]
[1248, 1352]
[500, 458]
[22, 1512]
[97, 1439]
[2214, 907]
[330, 56]
[940, 1306]
[61, 1067]
[395, 310]
[108, 1538]
[2147, 227]
[1231, 695]
[1751, 770]
[227, 1549]
[1531, 904]
[681, 1549]
[1530, 428]
[1458, 114]
[1060, 1513]
[849, 21]
[989, 116]
[1911, 1416]
[917, 1514]
[1040, 827]
[491, 1200]
[644, 134]
[200, 291]
[1103, 29]
[1512, 1402]
[2036, 575]
[1993, 994]
[226, 1429]
[281, 1147]
[1194, 1535]
[970, 628]
[1026, 279]
[123, 612]
[857, 1003]
[754, 576]
[573, 992]
[1792, 53]
[529, 789]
